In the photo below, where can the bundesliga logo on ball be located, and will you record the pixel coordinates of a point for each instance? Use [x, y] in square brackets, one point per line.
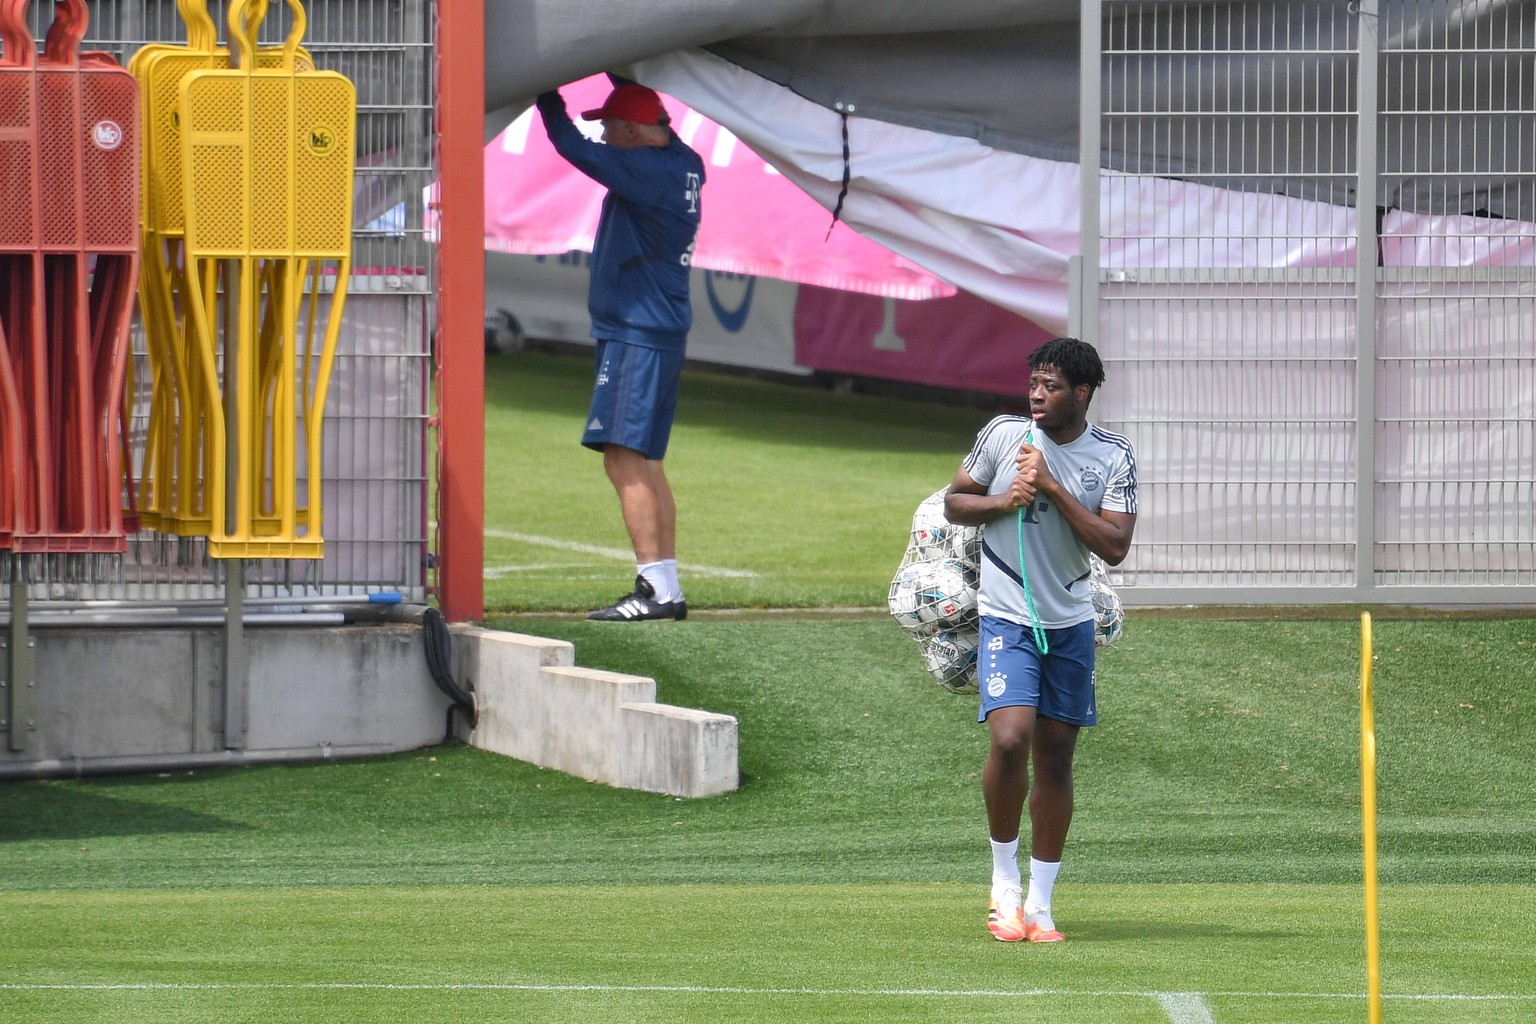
[926, 597]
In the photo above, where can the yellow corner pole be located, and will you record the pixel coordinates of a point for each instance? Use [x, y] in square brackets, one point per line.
[1368, 817]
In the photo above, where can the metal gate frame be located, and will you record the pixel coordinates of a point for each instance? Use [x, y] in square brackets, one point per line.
[1492, 560]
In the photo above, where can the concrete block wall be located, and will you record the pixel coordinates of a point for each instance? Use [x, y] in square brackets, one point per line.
[535, 704]
[113, 700]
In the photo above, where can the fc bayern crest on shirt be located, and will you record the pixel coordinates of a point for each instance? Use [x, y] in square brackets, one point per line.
[1090, 479]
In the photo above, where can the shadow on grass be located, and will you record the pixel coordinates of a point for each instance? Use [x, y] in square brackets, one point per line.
[41, 811]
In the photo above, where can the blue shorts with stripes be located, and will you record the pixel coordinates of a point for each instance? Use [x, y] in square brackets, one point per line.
[634, 399]
[1013, 673]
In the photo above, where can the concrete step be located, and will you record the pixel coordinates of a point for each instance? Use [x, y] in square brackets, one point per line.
[537, 705]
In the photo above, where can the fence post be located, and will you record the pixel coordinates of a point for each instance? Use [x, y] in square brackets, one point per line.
[461, 307]
[1367, 38]
[1085, 297]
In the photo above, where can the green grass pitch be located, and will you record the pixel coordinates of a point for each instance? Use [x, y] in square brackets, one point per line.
[1213, 873]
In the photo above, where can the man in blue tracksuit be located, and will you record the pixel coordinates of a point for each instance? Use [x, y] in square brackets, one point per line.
[638, 300]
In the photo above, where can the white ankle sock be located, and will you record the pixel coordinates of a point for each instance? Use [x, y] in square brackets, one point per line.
[1005, 866]
[673, 586]
[1042, 879]
[655, 574]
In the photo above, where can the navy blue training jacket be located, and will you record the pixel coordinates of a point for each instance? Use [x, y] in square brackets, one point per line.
[644, 246]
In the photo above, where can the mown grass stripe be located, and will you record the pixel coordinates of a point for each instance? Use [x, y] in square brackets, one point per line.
[1183, 1002]
[1186, 1008]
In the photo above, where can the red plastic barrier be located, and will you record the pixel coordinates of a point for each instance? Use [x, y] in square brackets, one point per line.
[10, 440]
[20, 311]
[71, 268]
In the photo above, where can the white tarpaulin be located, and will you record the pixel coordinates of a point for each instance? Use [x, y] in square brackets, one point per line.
[1002, 225]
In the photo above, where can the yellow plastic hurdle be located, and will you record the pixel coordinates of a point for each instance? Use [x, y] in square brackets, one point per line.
[172, 487]
[270, 150]
[170, 492]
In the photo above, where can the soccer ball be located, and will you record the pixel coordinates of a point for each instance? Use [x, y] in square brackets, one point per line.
[965, 545]
[926, 597]
[1108, 614]
[935, 538]
[934, 594]
[950, 657]
[904, 602]
[930, 530]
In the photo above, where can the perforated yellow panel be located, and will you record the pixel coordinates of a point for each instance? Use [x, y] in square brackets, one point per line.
[286, 171]
[325, 125]
[160, 79]
[161, 71]
[215, 153]
[267, 152]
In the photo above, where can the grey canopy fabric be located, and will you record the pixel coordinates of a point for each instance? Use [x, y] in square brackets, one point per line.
[957, 67]
[1232, 77]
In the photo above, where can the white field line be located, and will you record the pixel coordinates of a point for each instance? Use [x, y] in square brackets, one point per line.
[496, 572]
[936, 993]
[1185, 1008]
[616, 554]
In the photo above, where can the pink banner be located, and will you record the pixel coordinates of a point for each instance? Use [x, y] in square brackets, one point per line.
[960, 342]
[755, 221]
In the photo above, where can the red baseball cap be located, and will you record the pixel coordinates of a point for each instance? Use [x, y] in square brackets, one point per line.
[629, 103]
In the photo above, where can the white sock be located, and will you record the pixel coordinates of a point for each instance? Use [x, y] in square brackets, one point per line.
[1042, 879]
[655, 574]
[1005, 866]
[673, 586]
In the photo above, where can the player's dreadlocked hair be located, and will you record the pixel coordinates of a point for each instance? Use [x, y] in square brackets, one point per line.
[1077, 360]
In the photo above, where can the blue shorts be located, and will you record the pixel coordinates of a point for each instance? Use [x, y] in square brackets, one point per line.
[1013, 673]
[634, 399]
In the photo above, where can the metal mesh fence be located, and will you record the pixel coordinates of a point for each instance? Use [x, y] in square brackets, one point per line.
[1456, 371]
[1311, 425]
[375, 437]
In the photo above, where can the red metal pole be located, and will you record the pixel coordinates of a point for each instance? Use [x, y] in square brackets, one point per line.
[461, 308]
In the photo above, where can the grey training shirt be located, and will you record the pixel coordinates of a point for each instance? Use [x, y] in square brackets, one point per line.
[1098, 469]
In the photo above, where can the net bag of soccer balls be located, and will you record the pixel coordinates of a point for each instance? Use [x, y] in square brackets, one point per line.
[1108, 613]
[933, 596]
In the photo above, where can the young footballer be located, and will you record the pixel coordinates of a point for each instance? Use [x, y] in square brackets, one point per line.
[1047, 489]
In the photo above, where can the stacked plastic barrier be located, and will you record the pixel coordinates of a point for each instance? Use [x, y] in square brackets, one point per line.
[247, 237]
[18, 179]
[69, 159]
[172, 495]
